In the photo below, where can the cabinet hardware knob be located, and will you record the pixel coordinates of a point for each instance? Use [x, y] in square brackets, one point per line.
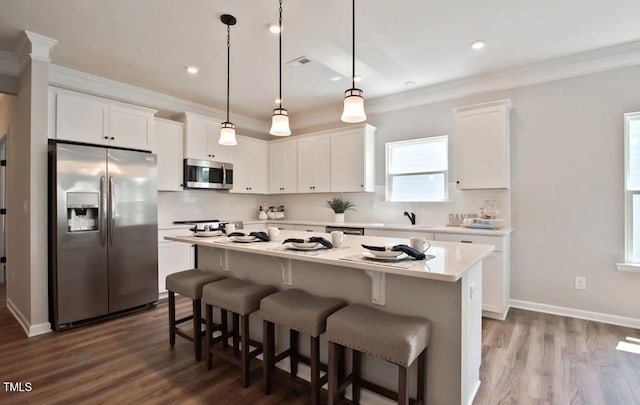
[458, 182]
[466, 241]
[105, 137]
[181, 185]
[112, 138]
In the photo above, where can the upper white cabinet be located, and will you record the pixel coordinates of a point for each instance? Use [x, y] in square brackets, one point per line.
[168, 145]
[94, 120]
[482, 145]
[353, 159]
[201, 139]
[250, 166]
[314, 164]
[283, 166]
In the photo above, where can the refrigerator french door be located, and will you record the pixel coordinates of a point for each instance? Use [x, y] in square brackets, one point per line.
[103, 236]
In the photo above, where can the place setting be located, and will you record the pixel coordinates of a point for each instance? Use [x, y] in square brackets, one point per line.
[400, 255]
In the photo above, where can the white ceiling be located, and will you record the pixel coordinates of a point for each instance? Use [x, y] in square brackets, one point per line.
[148, 43]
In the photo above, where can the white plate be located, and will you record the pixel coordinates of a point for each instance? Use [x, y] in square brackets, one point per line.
[205, 234]
[244, 239]
[291, 245]
[391, 254]
[305, 245]
[368, 255]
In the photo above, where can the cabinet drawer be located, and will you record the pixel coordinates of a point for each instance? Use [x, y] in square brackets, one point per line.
[397, 234]
[496, 241]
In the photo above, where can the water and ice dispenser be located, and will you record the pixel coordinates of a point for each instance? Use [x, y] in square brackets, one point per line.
[83, 211]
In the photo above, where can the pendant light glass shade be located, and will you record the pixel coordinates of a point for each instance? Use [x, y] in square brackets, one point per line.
[280, 123]
[227, 134]
[353, 106]
[227, 129]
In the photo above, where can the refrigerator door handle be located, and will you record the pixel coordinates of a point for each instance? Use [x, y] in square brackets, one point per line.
[103, 211]
[112, 209]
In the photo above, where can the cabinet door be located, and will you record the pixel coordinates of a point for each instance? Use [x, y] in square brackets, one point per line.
[172, 258]
[492, 283]
[196, 140]
[255, 164]
[82, 118]
[314, 164]
[352, 160]
[130, 127]
[168, 145]
[283, 167]
[482, 146]
[217, 152]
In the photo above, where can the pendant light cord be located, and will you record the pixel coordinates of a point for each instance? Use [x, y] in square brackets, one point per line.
[228, 64]
[280, 55]
[353, 44]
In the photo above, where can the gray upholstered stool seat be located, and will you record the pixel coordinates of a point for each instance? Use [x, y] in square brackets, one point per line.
[300, 312]
[296, 309]
[241, 298]
[396, 338]
[188, 283]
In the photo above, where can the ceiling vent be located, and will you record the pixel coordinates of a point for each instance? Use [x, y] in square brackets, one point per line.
[297, 62]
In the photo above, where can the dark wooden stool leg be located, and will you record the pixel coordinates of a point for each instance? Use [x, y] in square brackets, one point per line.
[403, 392]
[172, 318]
[342, 370]
[422, 371]
[244, 334]
[209, 316]
[293, 354]
[315, 370]
[225, 328]
[197, 334]
[355, 384]
[268, 351]
[333, 373]
[236, 336]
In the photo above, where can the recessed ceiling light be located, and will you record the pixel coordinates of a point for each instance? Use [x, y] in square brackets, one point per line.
[409, 83]
[479, 44]
[274, 28]
[192, 70]
[357, 79]
[335, 78]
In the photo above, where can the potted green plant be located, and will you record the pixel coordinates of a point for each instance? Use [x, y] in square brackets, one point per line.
[339, 206]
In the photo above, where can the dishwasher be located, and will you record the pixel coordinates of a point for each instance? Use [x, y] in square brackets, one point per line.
[348, 230]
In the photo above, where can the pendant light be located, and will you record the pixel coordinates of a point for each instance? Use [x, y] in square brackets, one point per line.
[280, 119]
[353, 101]
[227, 129]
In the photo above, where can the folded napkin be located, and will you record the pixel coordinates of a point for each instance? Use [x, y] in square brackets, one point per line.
[235, 234]
[399, 248]
[317, 239]
[260, 235]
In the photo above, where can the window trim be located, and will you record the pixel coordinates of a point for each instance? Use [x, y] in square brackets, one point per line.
[389, 176]
[629, 264]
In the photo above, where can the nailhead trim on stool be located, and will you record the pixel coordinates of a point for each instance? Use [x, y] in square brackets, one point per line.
[395, 338]
[300, 312]
[188, 283]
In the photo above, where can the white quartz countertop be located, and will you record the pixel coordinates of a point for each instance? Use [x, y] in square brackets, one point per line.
[391, 227]
[451, 261]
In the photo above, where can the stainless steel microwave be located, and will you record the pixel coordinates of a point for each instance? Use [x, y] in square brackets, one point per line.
[207, 174]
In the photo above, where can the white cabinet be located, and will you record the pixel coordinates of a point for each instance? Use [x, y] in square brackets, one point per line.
[173, 256]
[482, 145]
[388, 233]
[201, 139]
[311, 228]
[353, 159]
[495, 271]
[283, 166]
[94, 120]
[168, 145]
[250, 166]
[314, 164]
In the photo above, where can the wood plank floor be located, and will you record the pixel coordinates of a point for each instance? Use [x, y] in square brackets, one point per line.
[530, 358]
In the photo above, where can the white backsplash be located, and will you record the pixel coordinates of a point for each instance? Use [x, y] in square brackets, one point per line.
[206, 204]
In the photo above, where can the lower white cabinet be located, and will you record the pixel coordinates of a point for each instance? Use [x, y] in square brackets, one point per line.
[311, 228]
[172, 257]
[388, 233]
[495, 271]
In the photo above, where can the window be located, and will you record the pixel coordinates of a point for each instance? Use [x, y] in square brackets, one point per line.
[632, 192]
[417, 169]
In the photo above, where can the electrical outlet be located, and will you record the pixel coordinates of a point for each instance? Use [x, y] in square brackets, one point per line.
[581, 283]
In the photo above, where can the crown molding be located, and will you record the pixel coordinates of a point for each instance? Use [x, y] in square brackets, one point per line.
[32, 46]
[580, 64]
[9, 64]
[87, 83]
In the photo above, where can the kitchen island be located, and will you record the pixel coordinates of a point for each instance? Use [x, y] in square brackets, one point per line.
[446, 290]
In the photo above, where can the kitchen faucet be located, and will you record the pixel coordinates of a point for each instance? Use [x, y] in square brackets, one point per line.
[411, 216]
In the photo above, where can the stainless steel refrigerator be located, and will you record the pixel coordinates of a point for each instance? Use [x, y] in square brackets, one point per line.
[103, 243]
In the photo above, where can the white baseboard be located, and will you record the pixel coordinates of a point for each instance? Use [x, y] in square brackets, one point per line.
[29, 330]
[475, 390]
[577, 313]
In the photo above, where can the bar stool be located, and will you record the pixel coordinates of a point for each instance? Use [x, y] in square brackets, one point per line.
[300, 312]
[395, 338]
[241, 298]
[188, 283]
